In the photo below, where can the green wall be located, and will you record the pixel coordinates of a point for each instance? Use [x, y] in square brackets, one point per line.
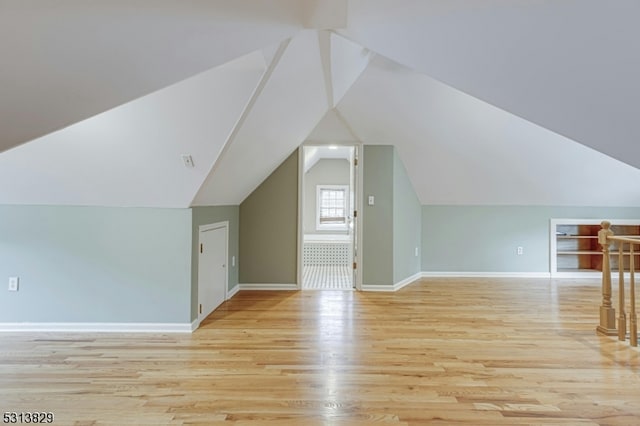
[407, 224]
[377, 220]
[392, 226]
[485, 238]
[269, 228]
[95, 264]
[206, 216]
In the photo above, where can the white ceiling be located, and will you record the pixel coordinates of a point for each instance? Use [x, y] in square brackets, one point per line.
[131, 155]
[315, 153]
[461, 150]
[99, 99]
[332, 129]
[289, 107]
[65, 61]
[571, 66]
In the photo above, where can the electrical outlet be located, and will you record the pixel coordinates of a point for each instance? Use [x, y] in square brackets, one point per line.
[520, 251]
[13, 283]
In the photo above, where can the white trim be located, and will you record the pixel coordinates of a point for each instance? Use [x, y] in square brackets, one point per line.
[373, 287]
[592, 221]
[358, 192]
[301, 200]
[233, 291]
[97, 327]
[452, 274]
[407, 281]
[212, 226]
[358, 152]
[269, 287]
[345, 207]
[395, 287]
[195, 324]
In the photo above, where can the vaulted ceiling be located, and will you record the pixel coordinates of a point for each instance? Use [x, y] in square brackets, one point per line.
[487, 101]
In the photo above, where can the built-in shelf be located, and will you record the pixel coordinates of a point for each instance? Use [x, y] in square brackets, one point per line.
[575, 248]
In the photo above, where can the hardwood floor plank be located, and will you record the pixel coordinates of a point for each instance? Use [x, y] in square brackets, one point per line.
[440, 351]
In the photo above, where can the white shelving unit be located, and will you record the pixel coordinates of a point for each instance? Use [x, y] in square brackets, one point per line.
[574, 247]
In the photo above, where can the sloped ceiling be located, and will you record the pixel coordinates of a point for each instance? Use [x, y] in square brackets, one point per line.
[131, 155]
[65, 61]
[460, 150]
[348, 60]
[570, 66]
[332, 129]
[99, 99]
[288, 108]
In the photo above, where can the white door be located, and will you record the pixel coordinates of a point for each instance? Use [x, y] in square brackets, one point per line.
[212, 269]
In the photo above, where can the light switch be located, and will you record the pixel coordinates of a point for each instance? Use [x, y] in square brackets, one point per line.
[371, 200]
[13, 283]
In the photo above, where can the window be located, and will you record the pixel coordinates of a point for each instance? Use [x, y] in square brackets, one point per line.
[332, 207]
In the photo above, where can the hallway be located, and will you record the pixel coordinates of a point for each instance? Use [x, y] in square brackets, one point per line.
[327, 277]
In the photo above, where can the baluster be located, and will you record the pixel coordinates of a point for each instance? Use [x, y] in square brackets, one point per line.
[607, 313]
[622, 315]
[633, 337]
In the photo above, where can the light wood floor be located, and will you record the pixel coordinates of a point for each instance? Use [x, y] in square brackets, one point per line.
[442, 352]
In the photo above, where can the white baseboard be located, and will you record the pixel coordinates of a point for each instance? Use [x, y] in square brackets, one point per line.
[374, 287]
[407, 281]
[445, 274]
[587, 275]
[254, 286]
[449, 274]
[196, 322]
[96, 327]
[392, 287]
[233, 291]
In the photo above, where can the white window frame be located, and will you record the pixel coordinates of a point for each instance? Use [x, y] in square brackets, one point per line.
[332, 227]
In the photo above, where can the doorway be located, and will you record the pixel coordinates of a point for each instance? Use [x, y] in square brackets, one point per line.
[212, 267]
[328, 243]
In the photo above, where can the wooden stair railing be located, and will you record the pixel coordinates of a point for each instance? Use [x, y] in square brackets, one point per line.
[607, 313]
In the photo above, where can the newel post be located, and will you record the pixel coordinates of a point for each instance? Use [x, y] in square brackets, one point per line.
[607, 312]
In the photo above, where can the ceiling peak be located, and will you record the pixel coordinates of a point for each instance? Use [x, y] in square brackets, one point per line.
[327, 14]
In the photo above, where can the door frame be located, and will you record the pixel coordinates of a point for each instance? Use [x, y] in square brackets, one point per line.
[357, 193]
[201, 230]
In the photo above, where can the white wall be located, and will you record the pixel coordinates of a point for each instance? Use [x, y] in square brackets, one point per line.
[324, 172]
